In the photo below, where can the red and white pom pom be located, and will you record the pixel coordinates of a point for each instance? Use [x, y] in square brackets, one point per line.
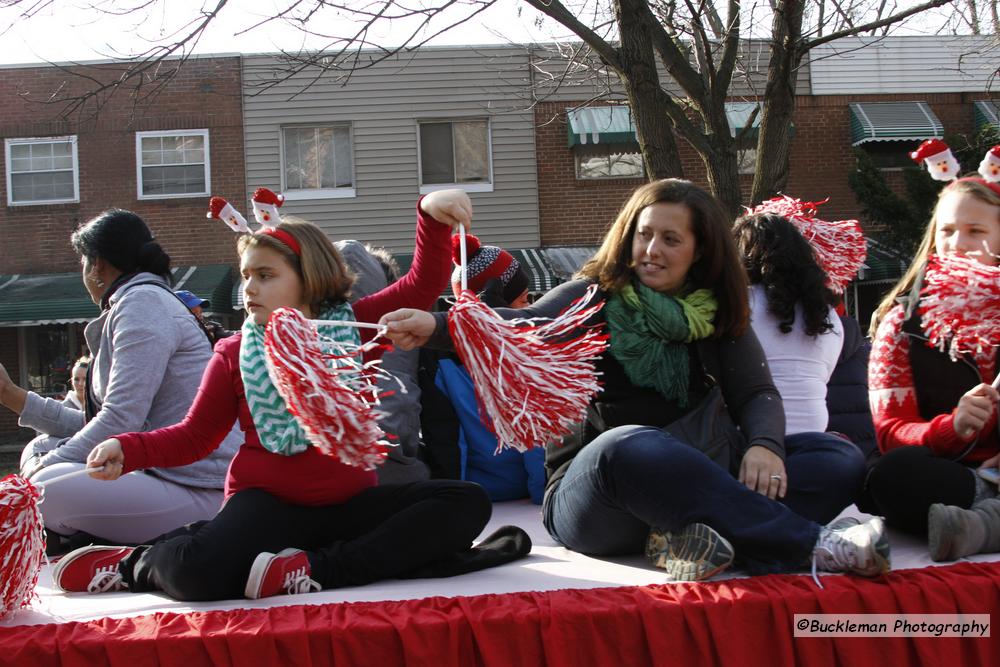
[220, 209]
[938, 158]
[265, 207]
[960, 305]
[989, 168]
[533, 379]
[325, 391]
[839, 245]
[22, 543]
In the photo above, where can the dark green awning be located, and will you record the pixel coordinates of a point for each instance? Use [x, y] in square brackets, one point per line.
[59, 298]
[986, 112]
[893, 121]
[600, 125]
[212, 281]
[882, 264]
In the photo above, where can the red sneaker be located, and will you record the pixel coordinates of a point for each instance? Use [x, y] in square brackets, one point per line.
[92, 569]
[284, 572]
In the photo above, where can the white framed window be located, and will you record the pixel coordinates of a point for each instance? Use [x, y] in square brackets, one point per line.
[627, 164]
[455, 153]
[43, 170]
[746, 161]
[172, 164]
[317, 161]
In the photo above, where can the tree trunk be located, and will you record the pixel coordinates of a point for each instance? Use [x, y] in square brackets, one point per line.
[773, 141]
[642, 86]
[723, 174]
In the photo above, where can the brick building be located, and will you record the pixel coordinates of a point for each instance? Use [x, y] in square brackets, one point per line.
[159, 157]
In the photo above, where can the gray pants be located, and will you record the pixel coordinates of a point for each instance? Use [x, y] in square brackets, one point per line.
[132, 509]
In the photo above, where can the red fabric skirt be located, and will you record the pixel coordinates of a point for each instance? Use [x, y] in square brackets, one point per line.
[735, 622]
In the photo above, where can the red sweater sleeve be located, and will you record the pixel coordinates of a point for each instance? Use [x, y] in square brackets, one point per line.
[427, 278]
[208, 421]
[893, 398]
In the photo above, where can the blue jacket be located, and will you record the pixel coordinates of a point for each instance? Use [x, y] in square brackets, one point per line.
[507, 475]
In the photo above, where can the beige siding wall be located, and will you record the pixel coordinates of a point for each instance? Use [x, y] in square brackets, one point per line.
[918, 65]
[383, 104]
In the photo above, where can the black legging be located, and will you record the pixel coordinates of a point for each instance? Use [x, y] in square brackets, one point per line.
[905, 482]
[383, 532]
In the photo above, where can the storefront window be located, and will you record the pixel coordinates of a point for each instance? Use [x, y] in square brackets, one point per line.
[49, 353]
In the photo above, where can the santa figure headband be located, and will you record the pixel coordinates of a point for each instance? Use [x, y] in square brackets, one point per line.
[942, 165]
[265, 209]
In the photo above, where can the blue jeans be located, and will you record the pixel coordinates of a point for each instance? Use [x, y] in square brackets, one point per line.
[633, 477]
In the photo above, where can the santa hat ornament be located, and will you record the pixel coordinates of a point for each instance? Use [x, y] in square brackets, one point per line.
[533, 379]
[220, 209]
[989, 168]
[839, 245]
[960, 305]
[938, 158]
[265, 207]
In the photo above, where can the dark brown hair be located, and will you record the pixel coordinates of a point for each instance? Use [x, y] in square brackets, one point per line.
[718, 266]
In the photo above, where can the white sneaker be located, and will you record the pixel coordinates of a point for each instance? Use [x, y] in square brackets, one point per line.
[861, 549]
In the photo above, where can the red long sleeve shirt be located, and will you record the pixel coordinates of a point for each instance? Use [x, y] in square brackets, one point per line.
[309, 478]
[893, 400]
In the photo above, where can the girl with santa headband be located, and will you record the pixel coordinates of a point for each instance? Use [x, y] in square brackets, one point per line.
[295, 520]
[935, 414]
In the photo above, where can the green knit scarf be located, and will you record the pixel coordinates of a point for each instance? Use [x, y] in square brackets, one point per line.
[278, 430]
[649, 333]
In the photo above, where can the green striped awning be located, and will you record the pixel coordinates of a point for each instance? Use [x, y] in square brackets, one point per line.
[893, 121]
[986, 112]
[600, 125]
[59, 298]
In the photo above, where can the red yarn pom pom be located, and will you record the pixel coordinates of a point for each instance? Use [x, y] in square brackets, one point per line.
[960, 305]
[472, 246]
[534, 379]
[22, 543]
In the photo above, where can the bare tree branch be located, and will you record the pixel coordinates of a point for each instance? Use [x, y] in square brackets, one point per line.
[873, 25]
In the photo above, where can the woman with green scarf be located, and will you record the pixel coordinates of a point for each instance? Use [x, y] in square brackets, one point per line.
[677, 312]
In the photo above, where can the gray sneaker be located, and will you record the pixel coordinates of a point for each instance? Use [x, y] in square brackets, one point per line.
[843, 523]
[861, 549]
[694, 553]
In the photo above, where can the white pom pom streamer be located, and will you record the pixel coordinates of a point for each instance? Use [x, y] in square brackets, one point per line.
[22, 538]
[327, 388]
[22, 543]
[960, 305]
[533, 380]
[545, 386]
[839, 244]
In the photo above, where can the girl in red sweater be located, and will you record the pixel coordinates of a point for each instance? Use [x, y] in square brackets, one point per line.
[295, 520]
[936, 419]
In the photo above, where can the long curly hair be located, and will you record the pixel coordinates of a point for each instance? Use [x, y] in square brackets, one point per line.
[777, 256]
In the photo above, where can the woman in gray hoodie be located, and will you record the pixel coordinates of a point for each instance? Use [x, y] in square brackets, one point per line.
[149, 353]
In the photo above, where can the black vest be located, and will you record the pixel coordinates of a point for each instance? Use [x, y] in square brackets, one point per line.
[938, 381]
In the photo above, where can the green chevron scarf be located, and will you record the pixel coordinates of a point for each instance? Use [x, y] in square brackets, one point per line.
[650, 331]
[278, 430]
